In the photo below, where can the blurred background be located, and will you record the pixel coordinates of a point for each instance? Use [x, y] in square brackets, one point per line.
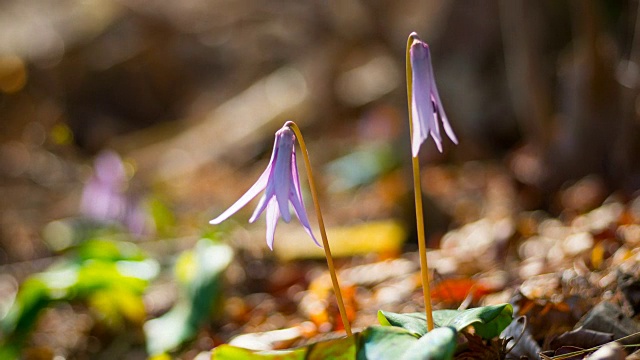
[126, 125]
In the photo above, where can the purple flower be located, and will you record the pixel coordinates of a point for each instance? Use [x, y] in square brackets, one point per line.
[281, 185]
[104, 197]
[426, 105]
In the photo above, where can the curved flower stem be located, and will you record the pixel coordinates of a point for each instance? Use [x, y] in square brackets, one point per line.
[417, 190]
[323, 232]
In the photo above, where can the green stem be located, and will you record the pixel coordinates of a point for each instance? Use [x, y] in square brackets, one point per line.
[323, 232]
[417, 191]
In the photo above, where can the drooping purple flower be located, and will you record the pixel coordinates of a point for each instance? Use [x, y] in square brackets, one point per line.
[281, 186]
[426, 105]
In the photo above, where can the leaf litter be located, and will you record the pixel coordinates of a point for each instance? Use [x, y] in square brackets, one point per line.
[558, 272]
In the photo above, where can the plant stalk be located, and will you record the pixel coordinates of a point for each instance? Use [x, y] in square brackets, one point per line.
[323, 232]
[417, 190]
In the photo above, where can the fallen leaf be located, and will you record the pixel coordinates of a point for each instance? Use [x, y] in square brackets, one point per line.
[384, 237]
[457, 290]
[581, 337]
[609, 318]
[612, 351]
[522, 343]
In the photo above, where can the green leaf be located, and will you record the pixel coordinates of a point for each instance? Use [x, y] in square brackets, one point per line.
[415, 323]
[338, 349]
[488, 321]
[163, 217]
[385, 342]
[95, 270]
[440, 344]
[379, 342]
[200, 273]
[116, 306]
[109, 250]
[228, 352]
[95, 276]
[31, 299]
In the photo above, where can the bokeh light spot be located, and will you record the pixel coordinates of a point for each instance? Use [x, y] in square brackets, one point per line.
[13, 74]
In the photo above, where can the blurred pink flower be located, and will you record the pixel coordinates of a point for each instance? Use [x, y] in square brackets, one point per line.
[281, 185]
[426, 105]
[104, 197]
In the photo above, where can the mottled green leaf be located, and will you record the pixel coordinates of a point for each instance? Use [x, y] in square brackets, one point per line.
[438, 344]
[380, 342]
[377, 342]
[488, 321]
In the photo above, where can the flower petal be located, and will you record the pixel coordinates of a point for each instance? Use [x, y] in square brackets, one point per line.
[295, 196]
[435, 131]
[262, 204]
[448, 129]
[282, 171]
[422, 107]
[419, 133]
[426, 80]
[440, 109]
[109, 169]
[272, 220]
[244, 199]
[269, 191]
[294, 175]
